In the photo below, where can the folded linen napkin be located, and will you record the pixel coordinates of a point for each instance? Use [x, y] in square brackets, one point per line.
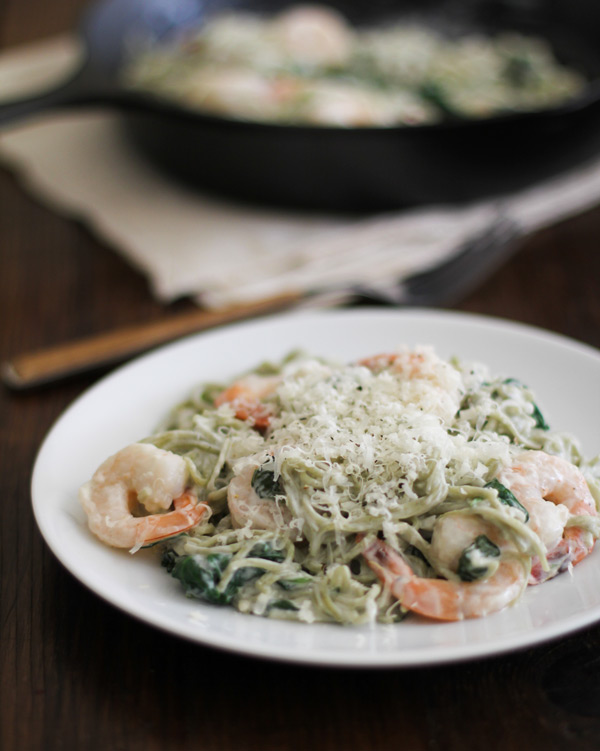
[220, 253]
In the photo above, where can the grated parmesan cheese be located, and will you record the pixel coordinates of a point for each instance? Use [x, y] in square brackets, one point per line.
[380, 438]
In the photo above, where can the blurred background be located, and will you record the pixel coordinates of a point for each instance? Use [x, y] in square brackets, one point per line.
[73, 265]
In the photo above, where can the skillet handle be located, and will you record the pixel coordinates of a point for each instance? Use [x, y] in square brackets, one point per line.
[75, 91]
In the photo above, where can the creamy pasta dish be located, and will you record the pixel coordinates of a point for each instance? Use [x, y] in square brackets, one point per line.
[354, 493]
[309, 66]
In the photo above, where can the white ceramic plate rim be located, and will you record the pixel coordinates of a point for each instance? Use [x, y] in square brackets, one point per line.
[128, 403]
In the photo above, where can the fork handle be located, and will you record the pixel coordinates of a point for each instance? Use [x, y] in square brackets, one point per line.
[56, 362]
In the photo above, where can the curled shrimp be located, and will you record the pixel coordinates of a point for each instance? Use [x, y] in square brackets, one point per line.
[427, 381]
[553, 491]
[454, 532]
[409, 363]
[249, 509]
[241, 92]
[245, 397]
[144, 479]
[442, 599]
[313, 35]
[332, 103]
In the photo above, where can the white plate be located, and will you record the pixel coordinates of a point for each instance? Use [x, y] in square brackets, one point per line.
[127, 405]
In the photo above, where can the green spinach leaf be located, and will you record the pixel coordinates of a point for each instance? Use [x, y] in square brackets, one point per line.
[507, 497]
[264, 483]
[476, 560]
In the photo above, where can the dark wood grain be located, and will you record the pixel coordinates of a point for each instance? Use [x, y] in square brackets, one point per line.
[75, 673]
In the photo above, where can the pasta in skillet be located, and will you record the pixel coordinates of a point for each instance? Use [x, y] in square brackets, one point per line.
[307, 65]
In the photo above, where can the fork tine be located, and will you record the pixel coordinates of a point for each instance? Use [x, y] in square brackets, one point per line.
[451, 280]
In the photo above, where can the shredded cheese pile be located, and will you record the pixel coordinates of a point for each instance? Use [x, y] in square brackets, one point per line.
[379, 439]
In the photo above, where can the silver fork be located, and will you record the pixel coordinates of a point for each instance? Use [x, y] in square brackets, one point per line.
[463, 272]
[439, 286]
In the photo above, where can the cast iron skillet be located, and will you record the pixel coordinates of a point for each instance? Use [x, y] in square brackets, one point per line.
[332, 168]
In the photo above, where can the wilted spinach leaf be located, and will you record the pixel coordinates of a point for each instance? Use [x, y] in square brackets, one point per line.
[472, 564]
[283, 605]
[264, 483]
[200, 574]
[267, 551]
[290, 584]
[540, 422]
[507, 497]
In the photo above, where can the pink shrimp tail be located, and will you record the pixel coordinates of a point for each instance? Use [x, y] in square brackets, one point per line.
[187, 513]
[441, 599]
[572, 549]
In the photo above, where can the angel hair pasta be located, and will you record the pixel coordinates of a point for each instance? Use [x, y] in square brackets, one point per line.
[354, 493]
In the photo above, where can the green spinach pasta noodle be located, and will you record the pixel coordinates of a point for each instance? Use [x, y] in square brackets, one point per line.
[355, 493]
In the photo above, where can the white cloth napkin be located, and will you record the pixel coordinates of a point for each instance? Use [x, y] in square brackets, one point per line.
[221, 253]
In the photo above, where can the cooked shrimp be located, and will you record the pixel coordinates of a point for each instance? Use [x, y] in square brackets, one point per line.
[144, 478]
[349, 105]
[247, 508]
[314, 35]
[442, 599]
[454, 532]
[410, 363]
[331, 103]
[240, 92]
[552, 490]
[428, 382]
[246, 395]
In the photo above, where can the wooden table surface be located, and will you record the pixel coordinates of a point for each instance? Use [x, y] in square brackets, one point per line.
[75, 673]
